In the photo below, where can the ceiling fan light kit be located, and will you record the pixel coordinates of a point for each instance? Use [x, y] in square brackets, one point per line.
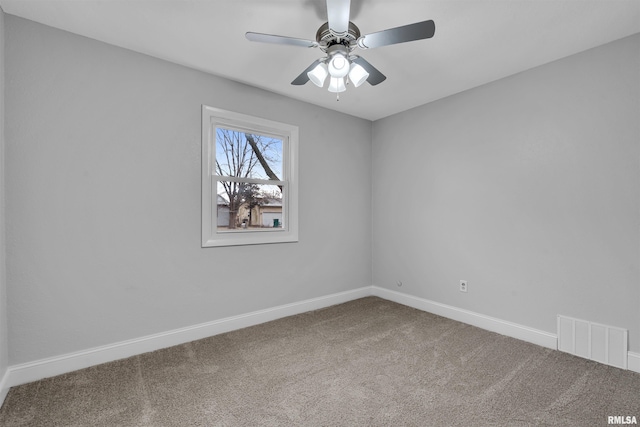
[336, 85]
[358, 75]
[337, 38]
[338, 62]
[319, 74]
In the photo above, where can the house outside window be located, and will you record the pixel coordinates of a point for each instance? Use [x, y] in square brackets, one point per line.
[249, 179]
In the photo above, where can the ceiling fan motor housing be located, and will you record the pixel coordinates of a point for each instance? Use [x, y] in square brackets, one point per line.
[327, 38]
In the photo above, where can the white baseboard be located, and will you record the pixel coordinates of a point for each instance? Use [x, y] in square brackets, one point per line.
[503, 327]
[4, 388]
[44, 368]
[514, 330]
[39, 369]
[633, 361]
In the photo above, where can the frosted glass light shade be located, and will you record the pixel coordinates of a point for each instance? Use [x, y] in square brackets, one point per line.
[336, 85]
[338, 66]
[318, 74]
[358, 75]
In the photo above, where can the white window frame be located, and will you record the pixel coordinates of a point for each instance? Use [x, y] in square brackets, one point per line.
[215, 117]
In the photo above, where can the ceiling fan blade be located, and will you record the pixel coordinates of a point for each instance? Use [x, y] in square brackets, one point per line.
[338, 16]
[290, 41]
[406, 33]
[375, 76]
[303, 77]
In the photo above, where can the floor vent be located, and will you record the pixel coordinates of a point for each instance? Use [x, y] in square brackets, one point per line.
[602, 343]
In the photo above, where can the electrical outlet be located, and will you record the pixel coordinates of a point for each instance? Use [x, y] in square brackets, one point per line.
[463, 286]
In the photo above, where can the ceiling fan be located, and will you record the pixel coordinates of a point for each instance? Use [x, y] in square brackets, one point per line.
[338, 38]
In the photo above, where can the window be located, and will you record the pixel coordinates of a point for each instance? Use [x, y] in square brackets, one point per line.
[249, 180]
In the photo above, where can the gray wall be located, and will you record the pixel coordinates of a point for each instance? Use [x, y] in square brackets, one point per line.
[4, 352]
[103, 198]
[526, 187]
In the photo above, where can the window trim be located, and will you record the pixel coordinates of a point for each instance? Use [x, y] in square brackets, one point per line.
[215, 117]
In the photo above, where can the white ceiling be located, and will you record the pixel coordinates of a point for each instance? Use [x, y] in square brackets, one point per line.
[476, 41]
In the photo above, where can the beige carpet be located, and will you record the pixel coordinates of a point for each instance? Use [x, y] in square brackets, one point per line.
[368, 362]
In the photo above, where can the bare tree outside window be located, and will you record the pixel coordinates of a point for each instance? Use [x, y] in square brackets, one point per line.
[243, 158]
